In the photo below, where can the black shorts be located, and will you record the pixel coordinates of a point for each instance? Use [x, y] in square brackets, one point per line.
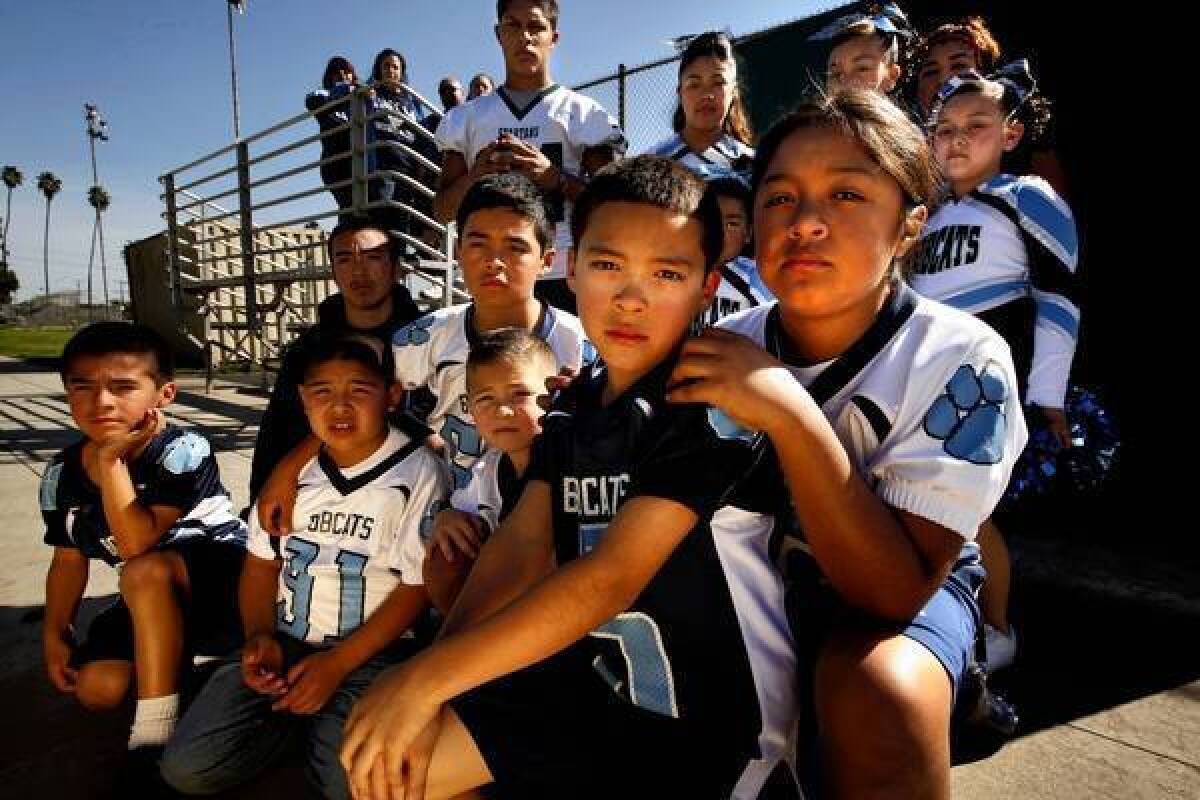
[212, 624]
[558, 730]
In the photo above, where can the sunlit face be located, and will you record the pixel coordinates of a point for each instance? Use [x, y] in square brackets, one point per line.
[971, 138]
[392, 72]
[639, 280]
[363, 268]
[706, 91]
[110, 394]
[861, 62]
[736, 227]
[503, 399]
[346, 404]
[828, 223]
[944, 61]
[526, 37]
[500, 257]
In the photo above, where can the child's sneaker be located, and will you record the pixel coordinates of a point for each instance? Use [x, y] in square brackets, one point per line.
[1001, 647]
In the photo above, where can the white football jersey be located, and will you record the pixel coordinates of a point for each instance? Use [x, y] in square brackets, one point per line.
[1009, 239]
[356, 537]
[740, 288]
[726, 155]
[432, 352]
[925, 404]
[560, 122]
[481, 495]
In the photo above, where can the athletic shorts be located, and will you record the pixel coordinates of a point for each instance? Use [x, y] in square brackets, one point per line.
[557, 730]
[212, 624]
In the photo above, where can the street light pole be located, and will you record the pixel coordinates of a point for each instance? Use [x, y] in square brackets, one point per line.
[241, 7]
[97, 128]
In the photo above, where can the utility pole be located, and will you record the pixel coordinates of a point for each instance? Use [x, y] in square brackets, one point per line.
[240, 5]
[97, 129]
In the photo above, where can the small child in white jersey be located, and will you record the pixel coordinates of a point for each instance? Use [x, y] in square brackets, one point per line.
[506, 374]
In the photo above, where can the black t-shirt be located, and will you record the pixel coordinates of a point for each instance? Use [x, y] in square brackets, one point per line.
[177, 469]
[678, 650]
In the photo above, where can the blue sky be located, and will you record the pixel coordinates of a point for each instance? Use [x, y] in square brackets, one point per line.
[159, 71]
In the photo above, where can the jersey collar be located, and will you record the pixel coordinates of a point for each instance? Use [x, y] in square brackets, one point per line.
[838, 373]
[520, 113]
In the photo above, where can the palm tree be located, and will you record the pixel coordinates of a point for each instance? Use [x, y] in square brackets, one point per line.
[12, 179]
[48, 184]
[99, 199]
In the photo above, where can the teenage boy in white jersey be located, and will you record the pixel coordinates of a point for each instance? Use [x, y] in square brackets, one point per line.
[531, 125]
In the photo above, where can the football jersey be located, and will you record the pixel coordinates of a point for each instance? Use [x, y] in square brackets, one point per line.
[925, 404]
[1010, 239]
[432, 352]
[728, 154]
[706, 641]
[740, 288]
[560, 122]
[177, 469]
[492, 490]
[356, 537]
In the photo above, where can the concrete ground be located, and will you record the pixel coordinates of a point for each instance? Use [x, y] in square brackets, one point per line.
[1107, 683]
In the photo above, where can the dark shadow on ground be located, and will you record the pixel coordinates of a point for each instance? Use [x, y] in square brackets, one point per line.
[53, 748]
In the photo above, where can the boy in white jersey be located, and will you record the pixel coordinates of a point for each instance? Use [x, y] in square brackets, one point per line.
[531, 125]
[740, 288]
[328, 606]
[505, 242]
[506, 374]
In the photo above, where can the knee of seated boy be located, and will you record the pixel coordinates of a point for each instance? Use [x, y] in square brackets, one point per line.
[103, 685]
[147, 571]
[444, 579]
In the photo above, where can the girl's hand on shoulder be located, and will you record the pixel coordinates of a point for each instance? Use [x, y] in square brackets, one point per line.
[726, 370]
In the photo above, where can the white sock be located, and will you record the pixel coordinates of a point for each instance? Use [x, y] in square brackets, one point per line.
[154, 721]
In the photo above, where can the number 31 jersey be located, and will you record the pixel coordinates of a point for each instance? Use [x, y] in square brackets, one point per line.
[356, 536]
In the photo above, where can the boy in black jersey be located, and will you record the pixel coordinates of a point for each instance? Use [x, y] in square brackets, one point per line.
[599, 648]
[146, 498]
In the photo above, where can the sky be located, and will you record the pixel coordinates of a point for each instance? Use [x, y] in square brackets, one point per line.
[159, 72]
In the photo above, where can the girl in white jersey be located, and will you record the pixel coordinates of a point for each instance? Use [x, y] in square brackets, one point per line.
[895, 422]
[712, 130]
[1004, 248]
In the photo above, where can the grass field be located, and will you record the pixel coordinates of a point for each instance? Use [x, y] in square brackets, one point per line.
[33, 342]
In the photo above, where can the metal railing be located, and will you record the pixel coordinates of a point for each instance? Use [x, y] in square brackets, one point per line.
[246, 257]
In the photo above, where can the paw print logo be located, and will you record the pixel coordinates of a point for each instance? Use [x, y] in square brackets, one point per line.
[969, 417]
[413, 334]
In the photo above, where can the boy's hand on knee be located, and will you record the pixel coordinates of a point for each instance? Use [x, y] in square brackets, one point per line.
[385, 728]
[262, 665]
[311, 683]
[457, 530]
[58, 651]
[729, 371]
